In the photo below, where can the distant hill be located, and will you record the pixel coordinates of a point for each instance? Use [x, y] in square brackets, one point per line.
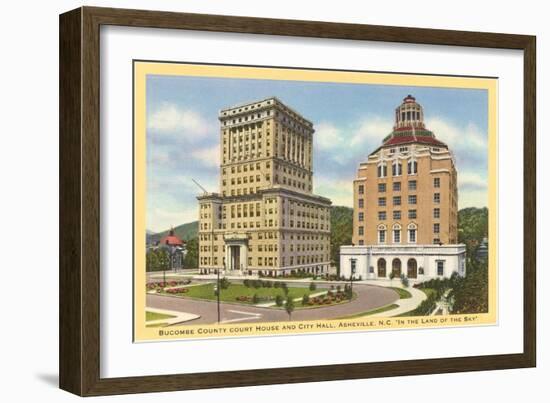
[184, 231]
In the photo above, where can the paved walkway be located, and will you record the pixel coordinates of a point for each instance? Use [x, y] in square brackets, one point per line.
[404, 305]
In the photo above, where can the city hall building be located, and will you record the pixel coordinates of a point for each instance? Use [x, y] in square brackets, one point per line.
[405, 206]
[265, 220]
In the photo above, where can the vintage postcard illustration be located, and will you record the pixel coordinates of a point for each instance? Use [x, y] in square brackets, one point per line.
[282, 201]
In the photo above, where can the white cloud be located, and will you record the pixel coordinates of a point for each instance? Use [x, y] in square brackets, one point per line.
[172, 119]
[472, 180]
[328, 136]
[158, 156]
[472, 198]
[371, 131]
[209, 156]
[160, 219]
[339, 191]
[163, 185]
[468, 139]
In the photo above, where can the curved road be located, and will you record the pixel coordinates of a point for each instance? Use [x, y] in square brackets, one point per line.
[368, 297]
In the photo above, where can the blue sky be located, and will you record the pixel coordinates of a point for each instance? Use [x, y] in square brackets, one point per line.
[350, 122]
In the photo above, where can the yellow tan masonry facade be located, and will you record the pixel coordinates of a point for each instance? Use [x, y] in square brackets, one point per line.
[265, 220]
[405, 203]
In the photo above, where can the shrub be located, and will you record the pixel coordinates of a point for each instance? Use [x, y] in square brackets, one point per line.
[277, 284]
[224, 283]
[305, 299]
[246, 283]
[404, 281]
[312, 286]
[279, 300]
[255, 299]
[289, 306]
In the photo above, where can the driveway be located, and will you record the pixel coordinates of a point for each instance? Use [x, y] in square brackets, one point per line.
[368, 297]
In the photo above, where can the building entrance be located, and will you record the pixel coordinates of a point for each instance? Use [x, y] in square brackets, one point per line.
[235, 261]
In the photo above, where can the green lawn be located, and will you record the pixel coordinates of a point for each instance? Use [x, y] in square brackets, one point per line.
[230, 294]
[371, 312]
[157, 325]
[403, 294]
[150, 316]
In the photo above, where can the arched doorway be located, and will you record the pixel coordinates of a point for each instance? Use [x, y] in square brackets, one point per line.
[396, 267]
[412, 268]
[382, 267]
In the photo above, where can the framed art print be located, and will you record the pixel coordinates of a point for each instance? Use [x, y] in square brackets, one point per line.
[266, 201]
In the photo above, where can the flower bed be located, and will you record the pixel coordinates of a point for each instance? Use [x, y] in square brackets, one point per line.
[258, 299]
[177, 290]
[330, 298]
[160, 285]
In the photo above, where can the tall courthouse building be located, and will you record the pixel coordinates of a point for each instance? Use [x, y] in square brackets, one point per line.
[265, 220]
[406, 206]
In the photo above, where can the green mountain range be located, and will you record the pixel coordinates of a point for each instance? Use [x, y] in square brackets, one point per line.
[184, 231]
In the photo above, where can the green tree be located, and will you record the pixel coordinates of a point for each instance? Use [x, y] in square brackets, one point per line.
[470, 294]
[289, 307]
[191, 260]
[152, 261]
[312, 286]
[341, 229]
[305, 299]
[164, 259]
[473, 226]
[279, 300]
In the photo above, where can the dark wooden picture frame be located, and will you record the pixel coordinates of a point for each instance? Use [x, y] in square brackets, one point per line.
[79, 347]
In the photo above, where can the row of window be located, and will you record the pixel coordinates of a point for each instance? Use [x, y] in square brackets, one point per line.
[397, 168]
[307, 247]
[396, 232]
[272, 235]
[396, 186]
[271, 223]
[411, 199]
[412, 267]
[397, 214]
[245, 167]
[397, 235]
[292, 119]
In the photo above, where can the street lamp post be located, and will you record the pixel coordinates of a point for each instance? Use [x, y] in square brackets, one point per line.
[218, 290]
[164, 273]
[353, 268]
